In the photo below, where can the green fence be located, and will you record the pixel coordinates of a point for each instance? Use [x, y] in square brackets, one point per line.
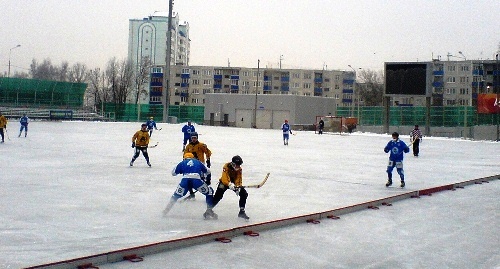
[35, 92]
[130, 112]
[407, 116]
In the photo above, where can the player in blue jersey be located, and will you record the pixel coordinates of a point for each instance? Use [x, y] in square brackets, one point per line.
[24, 125]
[151, 125]
[192, 172]
[187, 130]
[397, 148]
[286, 132]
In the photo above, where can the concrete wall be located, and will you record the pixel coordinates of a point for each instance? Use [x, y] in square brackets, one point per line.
[272, 109]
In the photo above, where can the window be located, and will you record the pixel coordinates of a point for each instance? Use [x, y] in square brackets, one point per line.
[185, 70]
[235, 72]
[451, 68]
[196, 72]
[234, 82]
[196, 91]
[255, 84]
[295, 75]
[207, 91]
[337, 77]
[184, 99]
[296, 85]
[450, 90]
[195, 82]
[155, 99]
[307, 85]
[307, 76]
[207, 72]
[218, 72]
[195, 100]
[246, 73]
[255, 74]
[207, 82]
[450, 79]
[157, 79]
[157, 70]
[464, 91]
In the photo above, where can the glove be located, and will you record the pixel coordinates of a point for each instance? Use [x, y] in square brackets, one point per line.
[237, 191]
[208, 163]
[231, 186]
[208, 179]
[133, 144]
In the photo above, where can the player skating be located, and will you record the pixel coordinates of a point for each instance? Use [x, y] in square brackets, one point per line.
[232, 179]
[200, 150]
[192, 171]
[140, 141]
[3, 125]
[151, 125]
[397, 148]
[187, 130]
[286, 132]
[24, 125]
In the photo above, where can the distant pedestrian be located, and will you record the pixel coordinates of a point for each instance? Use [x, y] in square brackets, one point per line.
[416, 139]
[140, 142]
[396, 147]
[3, 125]
[286, 132]
[187, 130]
[24, 125]
[232, 179]
[321, 125]
[151, 125]
[192, 172]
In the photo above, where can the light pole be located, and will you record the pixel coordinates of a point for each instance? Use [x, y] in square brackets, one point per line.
[10, 51]
[281, 58]
[465, 59]
[256, 91]
[355, 90]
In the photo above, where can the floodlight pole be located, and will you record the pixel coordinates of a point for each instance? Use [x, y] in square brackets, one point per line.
[167, 62]
[10, 52]
[497, 90]
[256, 91]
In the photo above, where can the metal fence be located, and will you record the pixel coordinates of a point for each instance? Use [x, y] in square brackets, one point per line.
[457, 116]
[35, 92]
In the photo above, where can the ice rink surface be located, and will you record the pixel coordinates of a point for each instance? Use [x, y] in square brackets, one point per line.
[68, 191]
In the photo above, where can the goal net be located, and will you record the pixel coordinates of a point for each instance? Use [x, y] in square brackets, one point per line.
[333, 124]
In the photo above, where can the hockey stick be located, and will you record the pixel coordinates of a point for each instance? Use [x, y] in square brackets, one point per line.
[257, 185]
[154, 146]
[7, 133]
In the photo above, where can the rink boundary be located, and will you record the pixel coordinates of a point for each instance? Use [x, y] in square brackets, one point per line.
[137, 253]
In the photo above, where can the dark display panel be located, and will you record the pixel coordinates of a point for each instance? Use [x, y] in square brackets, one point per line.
[405, 78]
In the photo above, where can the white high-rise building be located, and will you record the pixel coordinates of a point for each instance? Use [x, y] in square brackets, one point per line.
[148, 38]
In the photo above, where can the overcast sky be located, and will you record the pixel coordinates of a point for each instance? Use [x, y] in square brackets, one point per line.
[309, 34]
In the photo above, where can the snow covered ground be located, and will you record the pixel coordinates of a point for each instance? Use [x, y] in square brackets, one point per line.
[67, 191]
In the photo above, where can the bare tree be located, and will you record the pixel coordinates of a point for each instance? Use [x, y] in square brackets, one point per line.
[77, 73]
[141, 77]
[371, 87]
[119, 76]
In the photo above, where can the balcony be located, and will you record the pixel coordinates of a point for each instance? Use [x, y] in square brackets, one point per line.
[285, 79]
[438, 73]
[478, 72]
[318, 90]
[235, 77]
[318, 80]
[185, 75]
[348, 91]
[184, 85]
[285, 88]
[234, 87]
[437, 84]
[345, 100]
[218, 77]
[348, 81]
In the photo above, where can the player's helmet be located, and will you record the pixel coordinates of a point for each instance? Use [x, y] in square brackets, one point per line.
[237, 160]
[395, 134]
[188, 155]
[194, 134]
[151, 118]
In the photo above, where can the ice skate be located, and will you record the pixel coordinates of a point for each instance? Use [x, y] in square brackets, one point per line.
[402, 184]
[389, 183]
[131, 163]
[191, 197]
[243, 215]
[210, 214]
[149, 164]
